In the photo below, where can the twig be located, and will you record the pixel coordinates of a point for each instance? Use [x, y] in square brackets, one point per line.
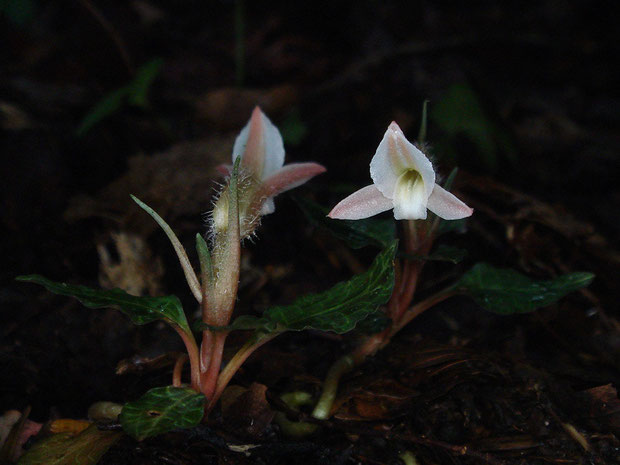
[112, 32]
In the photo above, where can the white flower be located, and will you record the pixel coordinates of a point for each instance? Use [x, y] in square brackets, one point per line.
[262, 174]
[260, 146]
[403, 179]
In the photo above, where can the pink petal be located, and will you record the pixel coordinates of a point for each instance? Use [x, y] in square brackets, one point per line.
[445, 205]
[261, 146]
[289, 177]
[396, 155]
[366, 202]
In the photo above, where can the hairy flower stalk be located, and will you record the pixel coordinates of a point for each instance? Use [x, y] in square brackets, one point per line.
[257, 176]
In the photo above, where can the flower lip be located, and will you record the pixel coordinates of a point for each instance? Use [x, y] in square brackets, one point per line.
[395, 155]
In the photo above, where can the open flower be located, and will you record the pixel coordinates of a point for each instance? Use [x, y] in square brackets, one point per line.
[403, 179]
[263, 174]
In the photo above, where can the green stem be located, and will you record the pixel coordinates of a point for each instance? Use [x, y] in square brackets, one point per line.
[370, 346]
[330, 387]
[295, 429]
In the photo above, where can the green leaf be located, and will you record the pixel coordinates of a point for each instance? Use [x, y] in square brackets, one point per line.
[19, 12]
[446, 226]
[141, 310]
[241, 323]
[206, 264]
[293, 129]
[188, 270]
[134, 93]
[356, 233]
[139, 87]
[460, 111]
[107, 106]
[447, 253]
[340, 308]
[507, 291]
[66, 449]
[162, 409]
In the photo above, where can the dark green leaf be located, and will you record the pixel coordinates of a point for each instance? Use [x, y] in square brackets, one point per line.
[162, 409]
[344, 305]
[85, 448]
[134, 93]
[139, 87]
[141, 310]
[446, 226]
[241, 323]
[460, 111]
[447, 253]
[356, 233]
[507, 291]
[19, 12]
[293, 128]
[108, 105]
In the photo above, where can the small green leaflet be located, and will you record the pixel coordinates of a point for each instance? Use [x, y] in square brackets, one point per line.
[134, 93]
[461, 112]
[66, 449]
[141, 310]
[507, 291]
[356, 233]
[162, 409]
[340, 308]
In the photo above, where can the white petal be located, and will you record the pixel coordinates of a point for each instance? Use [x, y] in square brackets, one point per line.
[260, 144]
[395, 155]
[366, 202]
[410, 197]
[445, 205]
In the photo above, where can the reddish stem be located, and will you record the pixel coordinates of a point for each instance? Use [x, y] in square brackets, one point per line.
[419, 308]
[194, 358]
[178, 370]
[234, 364]
[208, 379]
[206, 350]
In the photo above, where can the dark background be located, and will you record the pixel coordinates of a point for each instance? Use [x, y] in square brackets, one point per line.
[523, 98]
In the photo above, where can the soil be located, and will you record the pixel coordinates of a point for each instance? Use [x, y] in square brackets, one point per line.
[532, 93]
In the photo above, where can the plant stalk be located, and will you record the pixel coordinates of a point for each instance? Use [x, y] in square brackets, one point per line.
[234, 364]
[193, 355]
[324, 405]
